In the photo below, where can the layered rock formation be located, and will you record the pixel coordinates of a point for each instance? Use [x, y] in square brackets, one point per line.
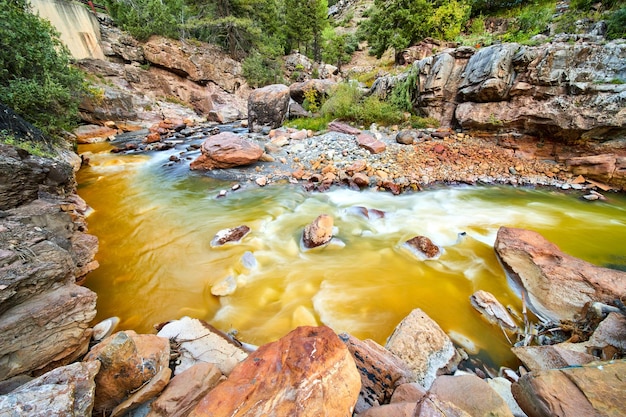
[44, 251]
[568, 91]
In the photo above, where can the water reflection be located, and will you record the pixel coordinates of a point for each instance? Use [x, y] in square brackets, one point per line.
[156, 222]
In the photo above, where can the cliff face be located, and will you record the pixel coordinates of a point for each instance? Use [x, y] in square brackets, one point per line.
[559, 90]
[44, 251]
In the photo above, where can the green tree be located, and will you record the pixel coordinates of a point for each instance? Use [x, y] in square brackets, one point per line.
[335, 47]
[396, 24]
[143, 18]
[36, 78]
[305, 21]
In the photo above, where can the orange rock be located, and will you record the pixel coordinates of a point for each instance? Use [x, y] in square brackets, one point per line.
[152, 138]
[307, 373]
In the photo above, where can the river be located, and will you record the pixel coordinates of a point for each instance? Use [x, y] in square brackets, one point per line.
[155, 222]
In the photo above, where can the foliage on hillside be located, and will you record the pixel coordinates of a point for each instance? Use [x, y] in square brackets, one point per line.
[36, 79]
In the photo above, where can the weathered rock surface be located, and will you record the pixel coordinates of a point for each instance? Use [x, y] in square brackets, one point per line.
[556, 285]
[134, 369]
[268, 106]
[471, 394]
[423, 346]
[542, 358]
[488, 305]
[93, 133]
[381, 372]
[343, 128]
[198, 341]
[390, 410]
[65, 391]
[433, 406]
[308, 372]
[591, 390]
[185, 391]
[370, 143]
[44, 315]
[410, 392]
[322, 89]
[319, 232]
[226, 150]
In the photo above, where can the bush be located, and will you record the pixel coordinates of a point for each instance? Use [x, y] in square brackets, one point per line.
[448, 19]
[143, 18]
[616, 24]
[36, 79]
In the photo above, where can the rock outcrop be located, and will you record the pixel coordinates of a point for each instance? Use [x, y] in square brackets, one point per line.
[556, 285]
[308, 372]
[44, 251]
[567, 91]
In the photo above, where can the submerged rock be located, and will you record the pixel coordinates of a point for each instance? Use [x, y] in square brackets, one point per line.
[557, 285]
[308, 372]
[487, 305]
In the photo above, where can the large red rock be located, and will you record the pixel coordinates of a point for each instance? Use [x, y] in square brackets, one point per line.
[556, 285]
[134, 369]
[308, 372]
[591, 390]
[226, 150]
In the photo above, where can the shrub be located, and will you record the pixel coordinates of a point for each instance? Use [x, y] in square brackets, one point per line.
[36, 79]
[616, 24]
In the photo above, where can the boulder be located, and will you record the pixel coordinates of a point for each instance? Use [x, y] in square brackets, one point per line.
[423, 247]
[268, 106]
[308, 372]
[319, 232]
[556, 285]
[490, 308]
[424, 347]
[471, 394]
[226, 150]
[64, 391]
[198, 341]
[407, 137]
[322, 89]
[370, 143]
[410, 392]
[52, 326]
[381, 372]
[185, 391]
[135, 368]
[595, 389]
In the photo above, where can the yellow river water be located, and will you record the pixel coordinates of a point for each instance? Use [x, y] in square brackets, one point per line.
[155, 224]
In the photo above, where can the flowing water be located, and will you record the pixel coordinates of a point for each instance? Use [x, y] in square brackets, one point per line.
[155, 224]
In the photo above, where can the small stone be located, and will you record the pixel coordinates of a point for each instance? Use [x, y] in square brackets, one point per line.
[235, 187]
[222, 194]
[319, 232]
[225, 287]
[261, 181]
[105, 328]
[423, 246]
[230, 235]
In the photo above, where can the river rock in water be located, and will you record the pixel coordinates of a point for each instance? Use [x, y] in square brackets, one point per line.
[319, 232]
[232, 235]
[226, 150]
[487, 305]
[557, 285]
[307, 373]
[422, 246]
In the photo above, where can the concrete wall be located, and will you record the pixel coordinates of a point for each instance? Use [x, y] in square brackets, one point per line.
[78, 26]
